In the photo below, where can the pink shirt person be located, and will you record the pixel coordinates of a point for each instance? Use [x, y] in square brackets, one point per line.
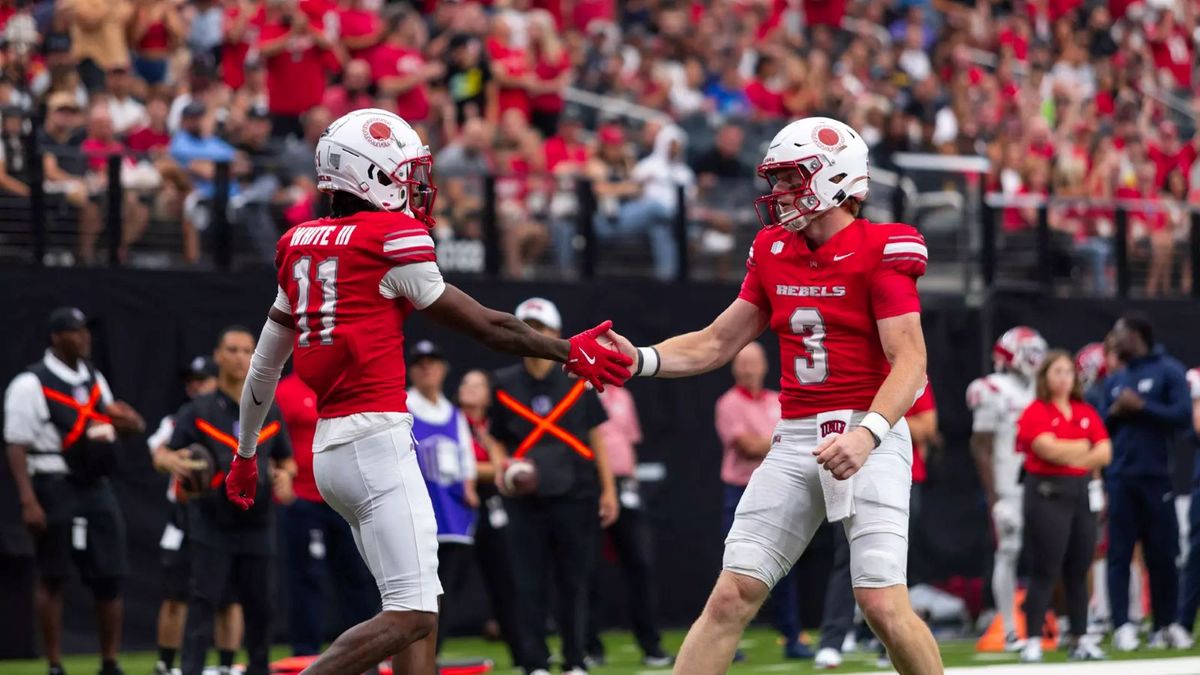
[746, 416]
[621, 432]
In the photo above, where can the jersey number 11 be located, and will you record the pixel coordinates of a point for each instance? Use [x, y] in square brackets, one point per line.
[325, 312]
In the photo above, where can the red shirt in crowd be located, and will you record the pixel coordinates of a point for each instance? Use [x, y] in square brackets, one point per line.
[765, 102]
[1140, 219]
[298, 405]
[1166, 162]
[1044, 417]
[554, 7]
[481, 453]
[924, 403]
[587, 11]
[1019, 44]
[355, 23]
[1173, 53]
[340, 102]
[156, 38]
[97, 152]
[824, 12]
[295, 78]
[388, 60]
[233, 54]
[512, 62]
[558, 150]
[546, 71]
[147, 139]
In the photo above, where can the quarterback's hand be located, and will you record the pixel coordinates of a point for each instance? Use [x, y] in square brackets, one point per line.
[622, 344]
[598, 365]
[844, 454]
[242, 481]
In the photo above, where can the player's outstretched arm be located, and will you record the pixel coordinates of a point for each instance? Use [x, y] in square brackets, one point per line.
[583, 354]
[699, 351]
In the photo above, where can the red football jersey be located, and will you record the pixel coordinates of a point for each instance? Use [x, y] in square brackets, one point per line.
[349, 336]
[824, 304]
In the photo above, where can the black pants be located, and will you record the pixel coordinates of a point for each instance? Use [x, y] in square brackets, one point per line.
[631, 539]
[212, 570]
[1060, 537]
[319, 544]
[1142, 508]
[454, 568]
[494, 550]
[553, 537]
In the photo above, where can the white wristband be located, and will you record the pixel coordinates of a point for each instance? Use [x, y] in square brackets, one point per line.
[876, 424]
[650, 362]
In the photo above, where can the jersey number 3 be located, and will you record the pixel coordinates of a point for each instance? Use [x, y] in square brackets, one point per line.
[327, 278]
[812, 367]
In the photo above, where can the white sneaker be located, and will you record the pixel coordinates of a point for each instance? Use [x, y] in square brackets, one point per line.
[1032, 652]
[850, 643]
[540, 671]
[575, 671]
[827, 658]
[1125, 638]
[1013, 643]
[1158, 639]
[1086, 649]
[1178, 637]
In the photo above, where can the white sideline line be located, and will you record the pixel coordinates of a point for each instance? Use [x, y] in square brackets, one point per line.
[1182, 666]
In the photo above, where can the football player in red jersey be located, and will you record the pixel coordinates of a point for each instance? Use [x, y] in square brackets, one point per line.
[841, 294]
[346, 284]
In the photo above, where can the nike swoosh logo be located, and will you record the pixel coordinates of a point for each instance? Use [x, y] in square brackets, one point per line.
[590, 359]
[254, 398]
[843, 256]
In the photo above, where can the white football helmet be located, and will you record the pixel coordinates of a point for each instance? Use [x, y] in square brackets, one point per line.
[1091, 363]
[831, 160]
[1021, 349]
[376, 156]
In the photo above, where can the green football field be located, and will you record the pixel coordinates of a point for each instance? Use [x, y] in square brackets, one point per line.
[760, 646]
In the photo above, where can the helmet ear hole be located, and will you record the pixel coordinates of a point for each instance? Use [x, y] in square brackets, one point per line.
[838, 178]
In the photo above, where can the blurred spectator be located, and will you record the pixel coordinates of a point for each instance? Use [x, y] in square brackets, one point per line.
[723, 162]
[201, 88]
[258, 176]
[299, 55]
[520, 167]
[156, 29]
[551, 72]
[100, 144]
[14, 172]
[511, 67]
[355, 91]
[360, 28]
[126, 111]
[726, 185]
[98, 37]
[65, 168]
[252, 93]
[469, 82]
[461, 166]
[764, 90]
[198, 151]
[237, 31]
[566, 157]
[207, 27]
[399, 67]
[660, 179]
[300, 190]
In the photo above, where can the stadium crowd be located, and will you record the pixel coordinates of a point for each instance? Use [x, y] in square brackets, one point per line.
[1075, 99]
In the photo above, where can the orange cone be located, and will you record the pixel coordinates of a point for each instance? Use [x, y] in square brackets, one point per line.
[992, 639]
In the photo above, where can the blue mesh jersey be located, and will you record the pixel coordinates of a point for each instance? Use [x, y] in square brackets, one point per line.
[447, 459]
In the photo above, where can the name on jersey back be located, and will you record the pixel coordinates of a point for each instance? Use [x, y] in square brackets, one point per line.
[319, 235]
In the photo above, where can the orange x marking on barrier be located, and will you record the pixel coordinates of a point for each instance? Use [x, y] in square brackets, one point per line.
[83, 412]
[546, 425]
[225, 439]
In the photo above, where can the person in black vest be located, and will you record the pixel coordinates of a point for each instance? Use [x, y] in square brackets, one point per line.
[61, 424]
[14, 176]
[556, 529]
[228, 545]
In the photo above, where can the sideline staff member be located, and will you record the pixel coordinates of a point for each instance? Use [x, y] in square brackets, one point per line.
[228, 545]
[1064, 442]
[558, 525]
[60, 450]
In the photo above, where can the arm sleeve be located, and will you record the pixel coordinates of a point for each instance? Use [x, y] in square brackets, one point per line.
[185, 428]
[21, 419]
[752, 288]
[421, 283]
[162, 434]
[1176, 410]
[274, 348]
[281, 302]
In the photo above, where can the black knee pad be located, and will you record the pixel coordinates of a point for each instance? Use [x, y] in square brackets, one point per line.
[107, 588]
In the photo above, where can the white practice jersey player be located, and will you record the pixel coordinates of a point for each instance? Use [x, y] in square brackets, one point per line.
[996, 402]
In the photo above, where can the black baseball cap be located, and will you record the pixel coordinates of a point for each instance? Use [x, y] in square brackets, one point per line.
[194, 109]
[200, 368]
[67, 318]
[425, 349]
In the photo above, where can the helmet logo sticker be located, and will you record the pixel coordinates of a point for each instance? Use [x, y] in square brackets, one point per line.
[828, 138]
[377, 132]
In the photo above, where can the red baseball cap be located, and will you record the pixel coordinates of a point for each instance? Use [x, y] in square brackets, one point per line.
[611, 134]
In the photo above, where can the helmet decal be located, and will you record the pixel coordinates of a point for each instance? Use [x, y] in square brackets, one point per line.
[377, 132]
[827, 137]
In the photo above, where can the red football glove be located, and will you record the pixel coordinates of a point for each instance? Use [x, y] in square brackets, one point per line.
[242, 481]
[588, 360]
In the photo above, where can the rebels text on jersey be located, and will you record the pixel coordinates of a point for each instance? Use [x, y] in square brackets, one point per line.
[345, 287]
[824, 305]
